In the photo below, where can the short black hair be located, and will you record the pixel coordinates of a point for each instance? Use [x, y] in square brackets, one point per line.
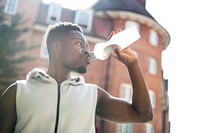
[57, 31]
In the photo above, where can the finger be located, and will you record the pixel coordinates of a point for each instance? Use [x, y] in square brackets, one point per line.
[117, 51]
[116, 57]
[119, 30]
[111, 34]
[126, 49]
[114, 47]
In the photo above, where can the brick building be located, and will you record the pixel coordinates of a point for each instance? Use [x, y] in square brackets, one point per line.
[97, 22]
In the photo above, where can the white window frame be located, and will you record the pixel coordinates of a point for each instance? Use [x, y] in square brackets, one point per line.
[126, 91]
[152, 96]
[43, 50]
[153, 38]
[54, 11]
[136, 54]
[153, 66]
[85, 23]
[124, 128]
[149, 127]
[130, 23]
[14, 8]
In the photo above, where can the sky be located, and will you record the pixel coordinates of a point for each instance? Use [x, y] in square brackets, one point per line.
[72, 4]
[179, 61]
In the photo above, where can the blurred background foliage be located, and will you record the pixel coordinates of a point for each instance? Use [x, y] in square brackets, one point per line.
[11, 49]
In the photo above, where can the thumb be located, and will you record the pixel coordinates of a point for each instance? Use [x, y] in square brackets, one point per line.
[117, 51]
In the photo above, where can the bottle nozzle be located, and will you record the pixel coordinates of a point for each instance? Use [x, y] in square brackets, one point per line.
[92, 56]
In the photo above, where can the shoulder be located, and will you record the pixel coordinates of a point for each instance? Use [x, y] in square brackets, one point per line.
[10, 91]
[8, 98]
[102, 93]
[8, 109]
[9, 95]
[94, 86]
[91, 88]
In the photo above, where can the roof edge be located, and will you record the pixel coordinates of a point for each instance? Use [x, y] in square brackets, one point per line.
[141, 19]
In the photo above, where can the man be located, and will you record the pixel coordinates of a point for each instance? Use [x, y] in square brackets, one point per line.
[55, 101]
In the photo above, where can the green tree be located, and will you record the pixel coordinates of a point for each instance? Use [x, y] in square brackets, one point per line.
[11, 48]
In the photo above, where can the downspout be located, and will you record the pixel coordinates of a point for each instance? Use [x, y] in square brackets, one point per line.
[107, 75]
[106, 85]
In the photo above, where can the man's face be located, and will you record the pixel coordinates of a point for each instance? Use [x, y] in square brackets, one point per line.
[74, 53]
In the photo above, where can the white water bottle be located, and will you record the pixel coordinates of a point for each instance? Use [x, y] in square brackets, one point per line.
[121, 39]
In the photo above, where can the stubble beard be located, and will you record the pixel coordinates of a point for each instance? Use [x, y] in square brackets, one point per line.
[81, 70]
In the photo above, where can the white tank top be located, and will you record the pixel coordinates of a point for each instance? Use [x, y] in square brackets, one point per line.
[38, 110]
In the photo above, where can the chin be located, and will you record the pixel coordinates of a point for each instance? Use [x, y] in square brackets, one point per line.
[82, 70]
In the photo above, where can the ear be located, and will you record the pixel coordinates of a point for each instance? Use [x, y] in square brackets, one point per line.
[55, 47]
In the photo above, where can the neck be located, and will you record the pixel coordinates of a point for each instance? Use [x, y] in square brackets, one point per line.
[58, 73]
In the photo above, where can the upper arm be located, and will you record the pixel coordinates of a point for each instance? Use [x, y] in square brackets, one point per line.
[115, 109]
[8, 109]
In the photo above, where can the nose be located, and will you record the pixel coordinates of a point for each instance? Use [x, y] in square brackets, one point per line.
[85, 51]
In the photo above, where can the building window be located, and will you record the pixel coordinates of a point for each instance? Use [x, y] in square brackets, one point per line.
[54, 13]
[153, 66]
[43, 51]
[153, 38]
[124, 128]
[149, 128]
[11, 7]
[152, 96]
[130, 23]
[84, 19]
[126, 91]
[136, 53]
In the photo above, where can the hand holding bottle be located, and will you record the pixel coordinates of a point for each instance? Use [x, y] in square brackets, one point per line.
[126, 56]
[121, 40]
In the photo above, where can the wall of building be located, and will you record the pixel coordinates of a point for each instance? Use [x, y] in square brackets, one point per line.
[108, 74]
[118, 74]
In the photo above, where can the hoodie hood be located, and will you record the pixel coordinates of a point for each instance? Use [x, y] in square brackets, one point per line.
[40, 74]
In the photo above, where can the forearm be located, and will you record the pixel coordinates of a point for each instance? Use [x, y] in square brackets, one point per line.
[140, 98]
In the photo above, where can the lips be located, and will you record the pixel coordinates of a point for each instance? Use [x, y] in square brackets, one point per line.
[88, 60]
